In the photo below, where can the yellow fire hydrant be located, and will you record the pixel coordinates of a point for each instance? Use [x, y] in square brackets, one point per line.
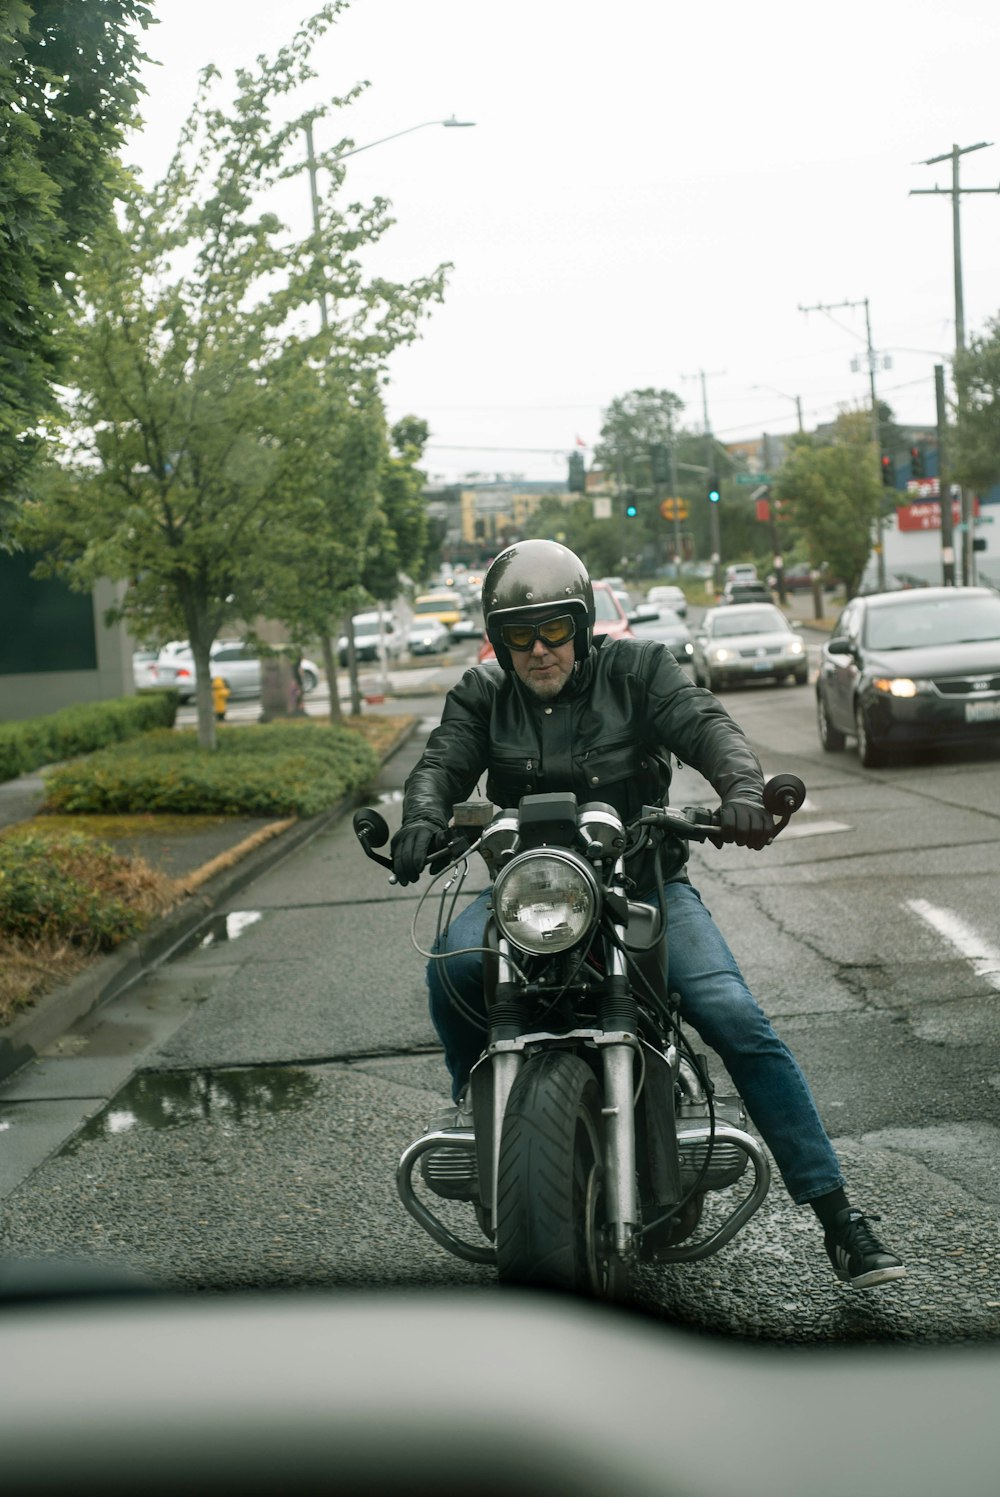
[220, 696]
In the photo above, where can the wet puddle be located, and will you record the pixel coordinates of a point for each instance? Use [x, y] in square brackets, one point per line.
[173, 1099]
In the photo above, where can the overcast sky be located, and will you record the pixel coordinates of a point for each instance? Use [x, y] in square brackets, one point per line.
[650, 190]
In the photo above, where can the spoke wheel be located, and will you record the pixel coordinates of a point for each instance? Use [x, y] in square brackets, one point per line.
[551, 1199]
[830, 737]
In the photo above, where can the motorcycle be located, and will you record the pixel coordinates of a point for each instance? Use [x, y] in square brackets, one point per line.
[591, 1132]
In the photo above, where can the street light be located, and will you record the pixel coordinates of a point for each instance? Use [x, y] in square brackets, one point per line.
[449, 124]
[796, 398]
[452, 124]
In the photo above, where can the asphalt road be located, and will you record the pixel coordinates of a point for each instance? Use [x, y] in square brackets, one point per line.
[286, 1058]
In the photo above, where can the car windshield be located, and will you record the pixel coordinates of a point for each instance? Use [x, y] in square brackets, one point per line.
[937, 621]
[434, 605]
[757, 621]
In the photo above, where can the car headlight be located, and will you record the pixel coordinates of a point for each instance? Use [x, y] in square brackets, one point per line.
[720, 653]
[796, 647]
[900, 686]
[545, 901]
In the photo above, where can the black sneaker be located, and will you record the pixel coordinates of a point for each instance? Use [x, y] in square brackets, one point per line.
[452, 1172]
[858, 1258]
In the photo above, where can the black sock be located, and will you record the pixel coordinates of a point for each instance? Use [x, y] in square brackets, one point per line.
[826, 1207]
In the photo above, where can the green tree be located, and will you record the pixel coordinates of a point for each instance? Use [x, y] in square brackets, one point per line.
[832, 495]
[68, 89]
[209, 423]
[976, 462]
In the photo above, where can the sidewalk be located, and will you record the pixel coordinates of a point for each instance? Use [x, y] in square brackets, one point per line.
[212, 857]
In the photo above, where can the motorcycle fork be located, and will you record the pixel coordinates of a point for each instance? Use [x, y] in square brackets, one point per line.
[618, 1051]
[618, 1044]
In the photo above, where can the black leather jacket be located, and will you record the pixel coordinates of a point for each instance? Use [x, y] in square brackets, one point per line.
[608, 736]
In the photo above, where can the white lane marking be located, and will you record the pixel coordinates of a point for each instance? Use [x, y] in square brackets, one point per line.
[984, 958]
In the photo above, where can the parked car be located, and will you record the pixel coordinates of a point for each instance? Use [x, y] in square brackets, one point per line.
[238, 664]
[669, 629]
[428, 637]
[670, 596]
[914, 666]
[369, 635]
[444, 605]
[797, 579]
[609, 618]
[748, 642]
[144, 673]
[745, 592]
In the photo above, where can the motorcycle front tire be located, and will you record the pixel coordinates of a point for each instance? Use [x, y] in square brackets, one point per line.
[550, 1227]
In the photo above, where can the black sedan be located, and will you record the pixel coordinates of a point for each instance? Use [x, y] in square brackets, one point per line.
[665, 626]
[909, 668]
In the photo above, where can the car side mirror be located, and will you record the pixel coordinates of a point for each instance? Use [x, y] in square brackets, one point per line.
[643, 612]
[840, 645]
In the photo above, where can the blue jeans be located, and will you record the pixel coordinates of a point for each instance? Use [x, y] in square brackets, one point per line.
[714, 998]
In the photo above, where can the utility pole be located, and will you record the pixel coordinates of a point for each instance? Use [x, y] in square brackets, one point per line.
[876, 432]
[944, 487]
[955, 191]
[710, 467]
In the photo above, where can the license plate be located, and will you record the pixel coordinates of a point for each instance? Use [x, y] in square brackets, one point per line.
[762, 665]
[982, 712]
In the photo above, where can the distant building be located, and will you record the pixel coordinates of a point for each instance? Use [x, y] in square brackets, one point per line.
[477, 518]
[55, 649]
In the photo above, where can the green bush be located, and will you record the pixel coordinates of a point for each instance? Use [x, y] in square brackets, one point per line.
[80, 729]
[268, 769]
[66, 888]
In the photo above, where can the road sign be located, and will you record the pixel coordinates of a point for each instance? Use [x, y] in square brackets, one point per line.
[674, 509]
[752, 478]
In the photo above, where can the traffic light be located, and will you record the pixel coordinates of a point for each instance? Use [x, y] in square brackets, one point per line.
[659, 459]
[714, 494]
[631, 508]
[916, 462]
[888, 471]
[577, 480]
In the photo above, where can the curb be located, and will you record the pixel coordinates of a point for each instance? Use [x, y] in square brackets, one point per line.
[109, 976]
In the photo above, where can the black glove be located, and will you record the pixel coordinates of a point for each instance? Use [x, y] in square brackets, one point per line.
[747, 823]
[410, 847]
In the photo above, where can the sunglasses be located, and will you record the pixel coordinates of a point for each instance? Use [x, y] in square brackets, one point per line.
[552, 632]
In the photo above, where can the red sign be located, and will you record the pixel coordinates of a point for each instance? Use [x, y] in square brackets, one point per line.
[763, 509]
[927, 516]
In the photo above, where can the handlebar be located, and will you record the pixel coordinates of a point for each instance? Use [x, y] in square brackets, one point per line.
[784, 794]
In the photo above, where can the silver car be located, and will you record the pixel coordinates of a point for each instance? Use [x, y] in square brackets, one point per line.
[237, 663]
[748, 642]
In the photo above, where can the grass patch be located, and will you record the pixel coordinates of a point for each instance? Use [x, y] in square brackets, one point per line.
[64, 898]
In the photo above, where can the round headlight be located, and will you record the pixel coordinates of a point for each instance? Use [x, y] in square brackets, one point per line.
[545, 901]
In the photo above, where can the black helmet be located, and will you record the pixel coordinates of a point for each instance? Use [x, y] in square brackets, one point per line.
[532, 581]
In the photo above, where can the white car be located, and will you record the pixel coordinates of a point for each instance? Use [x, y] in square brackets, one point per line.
[236, 662]
[669, 596]
[372, 631]
[428, 637]
[144, 671]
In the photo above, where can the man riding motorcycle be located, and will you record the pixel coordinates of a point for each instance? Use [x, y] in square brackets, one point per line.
[563, 710]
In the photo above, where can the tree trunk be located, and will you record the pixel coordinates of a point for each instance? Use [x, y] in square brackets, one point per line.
[201, 651]
[330, 666]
